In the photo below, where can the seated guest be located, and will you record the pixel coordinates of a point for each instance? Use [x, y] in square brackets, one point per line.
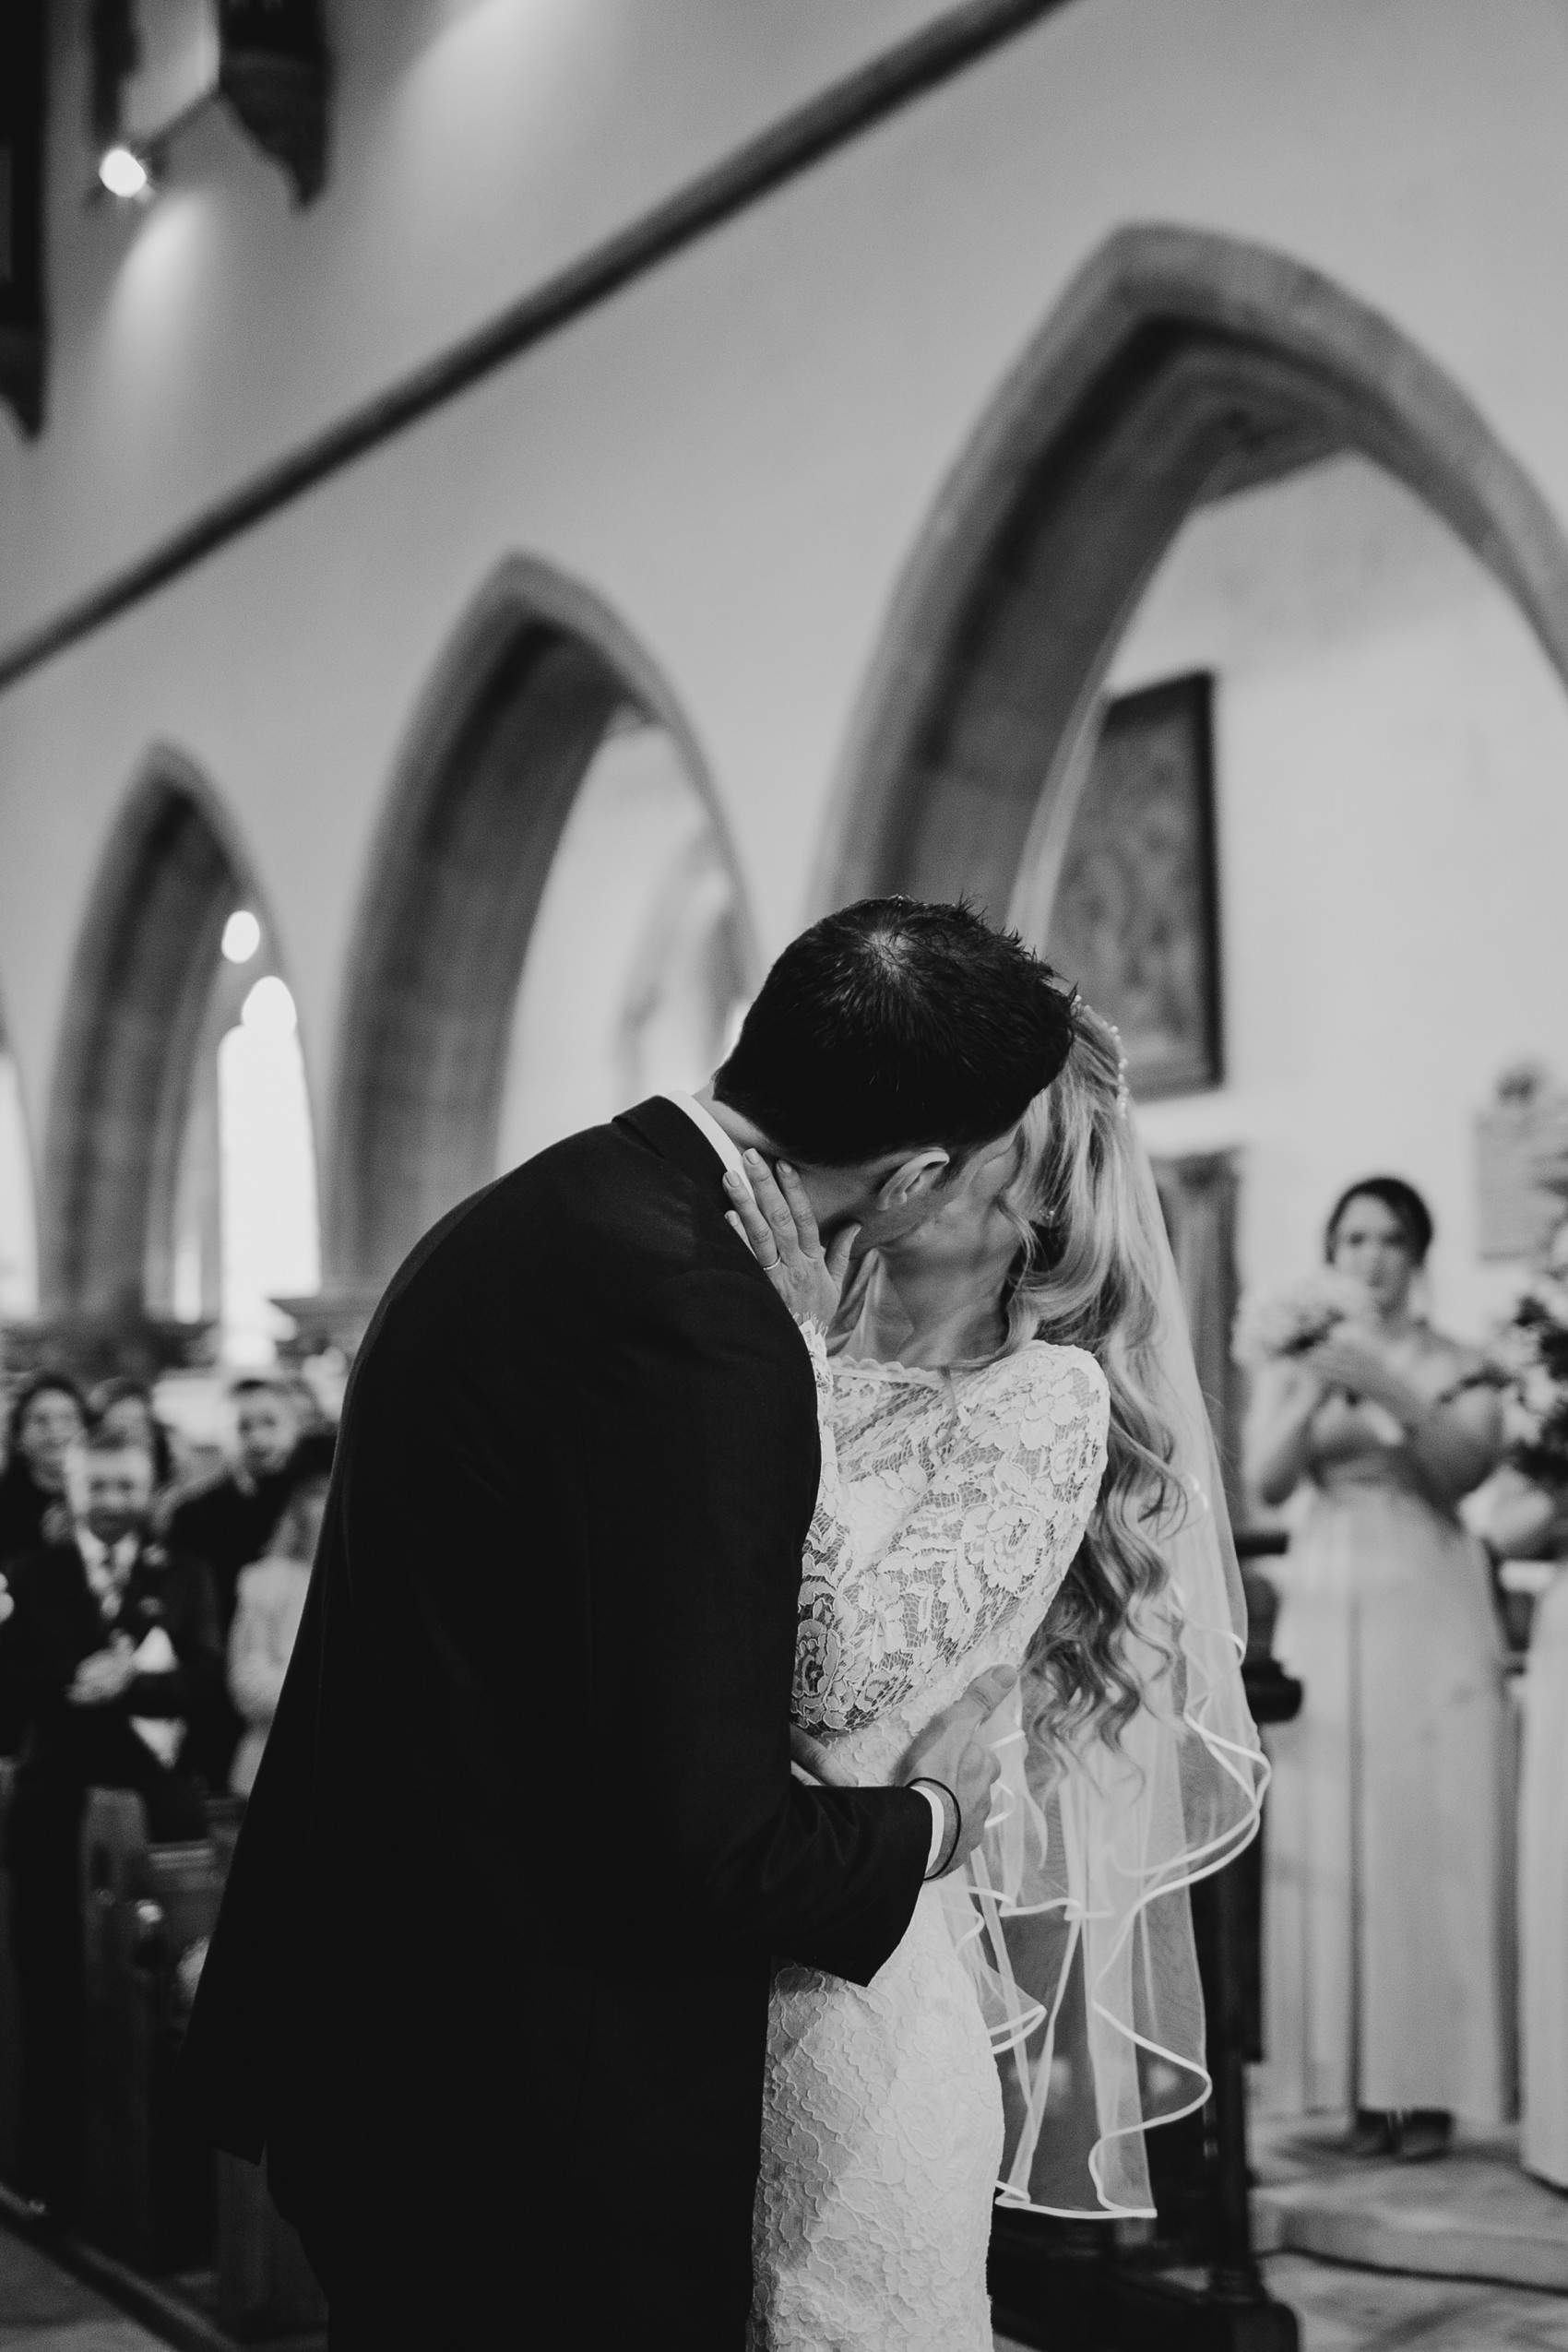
[126, 1406]
[271, 1601]
[108, 1644]
[229, 1523]
[47, 1418]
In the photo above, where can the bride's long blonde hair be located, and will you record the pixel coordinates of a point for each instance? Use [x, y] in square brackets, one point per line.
[1088, 1276]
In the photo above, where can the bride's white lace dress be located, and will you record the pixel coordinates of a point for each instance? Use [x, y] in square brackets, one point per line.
[951, 1506]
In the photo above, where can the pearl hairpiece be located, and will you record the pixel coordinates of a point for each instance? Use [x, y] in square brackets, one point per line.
[1123, 1096]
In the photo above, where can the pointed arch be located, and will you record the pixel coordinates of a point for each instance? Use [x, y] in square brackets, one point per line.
[533, 679]
[173, 872]
[1178, 366]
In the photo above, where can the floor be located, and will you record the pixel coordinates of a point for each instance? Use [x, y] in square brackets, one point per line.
[42, 2309]
[1361, 2310]
[1472, 2215]
[45, 2310]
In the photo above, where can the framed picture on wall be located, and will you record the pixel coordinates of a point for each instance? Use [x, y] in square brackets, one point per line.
[1135, 916]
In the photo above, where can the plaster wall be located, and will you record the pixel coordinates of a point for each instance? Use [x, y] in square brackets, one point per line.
[737, 452]
[1392, 779]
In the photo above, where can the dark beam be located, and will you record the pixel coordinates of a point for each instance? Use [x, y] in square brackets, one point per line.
[832, 120]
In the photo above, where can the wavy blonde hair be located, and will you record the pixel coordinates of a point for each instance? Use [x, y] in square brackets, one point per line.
[1089, 1275]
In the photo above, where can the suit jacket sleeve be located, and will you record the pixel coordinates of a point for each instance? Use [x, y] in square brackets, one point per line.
[197, 1645]
[697, 1542]
[33, 1668]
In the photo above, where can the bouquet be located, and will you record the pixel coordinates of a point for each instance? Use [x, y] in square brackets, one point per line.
[1287, 1322]
[1528, 1364]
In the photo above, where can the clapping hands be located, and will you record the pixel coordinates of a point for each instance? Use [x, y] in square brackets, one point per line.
[102, 1678]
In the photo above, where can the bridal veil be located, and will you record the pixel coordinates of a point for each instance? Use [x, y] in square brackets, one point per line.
[1073, 1914]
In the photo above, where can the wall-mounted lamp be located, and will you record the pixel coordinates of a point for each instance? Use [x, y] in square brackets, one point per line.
[124, 173]
[157, 64]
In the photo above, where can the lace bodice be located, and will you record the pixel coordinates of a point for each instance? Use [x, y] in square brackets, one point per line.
[951, 1505]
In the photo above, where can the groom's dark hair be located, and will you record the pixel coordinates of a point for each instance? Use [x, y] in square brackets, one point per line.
[893, 1023]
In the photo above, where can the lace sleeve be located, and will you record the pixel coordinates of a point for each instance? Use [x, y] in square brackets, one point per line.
[992, 1527]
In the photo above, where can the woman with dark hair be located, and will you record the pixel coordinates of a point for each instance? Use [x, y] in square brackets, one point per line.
[1387, 1909]
[48, 1417]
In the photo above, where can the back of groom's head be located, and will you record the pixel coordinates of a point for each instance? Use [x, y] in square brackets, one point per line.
[893, 1025]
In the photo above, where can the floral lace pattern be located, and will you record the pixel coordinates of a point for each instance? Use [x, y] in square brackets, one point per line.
[950, 1508]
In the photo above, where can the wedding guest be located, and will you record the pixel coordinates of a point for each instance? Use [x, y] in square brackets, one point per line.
[108, 1644]
[1523, 1514]
[1522, 1520]
[1386, 1917]
[47, 1418]
[229, 1523]
[271, 1602]
[126, 1408]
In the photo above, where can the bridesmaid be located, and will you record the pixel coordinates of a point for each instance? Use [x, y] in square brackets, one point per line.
[1524, 1521]
[1385, 1929]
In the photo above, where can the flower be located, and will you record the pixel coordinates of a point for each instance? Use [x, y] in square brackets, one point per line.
[1527, 1363]
[1289, 1322]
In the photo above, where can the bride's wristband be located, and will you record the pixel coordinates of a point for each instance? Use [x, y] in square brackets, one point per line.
[944, 1847]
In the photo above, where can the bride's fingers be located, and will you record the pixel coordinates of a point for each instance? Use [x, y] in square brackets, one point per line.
[799, 1206]
[751, 1224]
[775, 1208]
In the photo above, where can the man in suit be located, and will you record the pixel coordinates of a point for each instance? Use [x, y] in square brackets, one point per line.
[229, 1522]
[489, 1983]
[107, 1642]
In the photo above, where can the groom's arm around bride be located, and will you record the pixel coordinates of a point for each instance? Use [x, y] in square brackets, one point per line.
[491, 1979]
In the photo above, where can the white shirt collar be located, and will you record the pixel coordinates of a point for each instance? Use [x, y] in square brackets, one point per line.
[725, 1146]
[107, 1565]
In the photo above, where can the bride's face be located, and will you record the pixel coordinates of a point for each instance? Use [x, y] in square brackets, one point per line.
[970, 1234]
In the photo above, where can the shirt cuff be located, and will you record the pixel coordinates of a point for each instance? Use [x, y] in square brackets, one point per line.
[938, 1826]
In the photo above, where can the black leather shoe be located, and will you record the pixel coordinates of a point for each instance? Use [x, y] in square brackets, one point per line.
[1372, 2134]
[1425, 2132]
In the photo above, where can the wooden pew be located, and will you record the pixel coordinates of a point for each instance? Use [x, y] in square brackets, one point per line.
[152, 2195]
[10, 2010]
[147, 2184]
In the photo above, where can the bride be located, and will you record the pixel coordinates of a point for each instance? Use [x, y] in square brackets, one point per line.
[1017, 1474]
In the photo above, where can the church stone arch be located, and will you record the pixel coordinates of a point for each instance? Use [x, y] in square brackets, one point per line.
[1178, 366]
[140, 984]
[535, 677]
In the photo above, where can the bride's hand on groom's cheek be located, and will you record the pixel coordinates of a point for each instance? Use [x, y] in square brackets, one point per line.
[780, 1227]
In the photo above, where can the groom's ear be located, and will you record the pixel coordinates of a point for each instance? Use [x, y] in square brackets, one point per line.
[913, 1178]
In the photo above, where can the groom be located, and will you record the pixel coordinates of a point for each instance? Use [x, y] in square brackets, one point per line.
[489, 1984]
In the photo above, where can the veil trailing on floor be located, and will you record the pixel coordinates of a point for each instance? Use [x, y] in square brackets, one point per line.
[1073, 1914]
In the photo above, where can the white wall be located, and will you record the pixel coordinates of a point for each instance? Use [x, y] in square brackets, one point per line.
[1391, 769]
[740, 451]
[478, 146]
[18, 1237]
[638, 888]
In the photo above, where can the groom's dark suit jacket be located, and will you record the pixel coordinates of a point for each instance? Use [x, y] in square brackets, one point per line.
[490, 1977]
